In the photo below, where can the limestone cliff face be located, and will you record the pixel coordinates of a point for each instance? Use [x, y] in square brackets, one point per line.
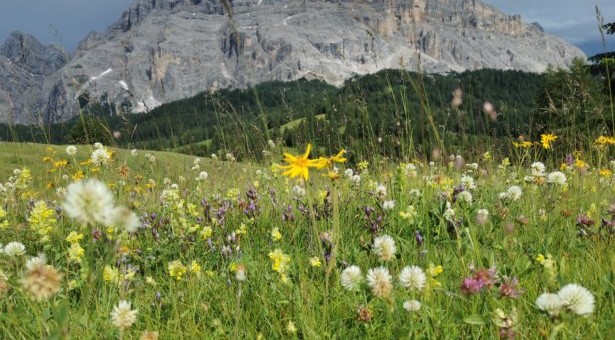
[163, 50]
[24, 65]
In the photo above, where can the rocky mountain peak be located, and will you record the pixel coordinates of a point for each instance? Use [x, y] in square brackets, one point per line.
[164, 50]
[27, 52]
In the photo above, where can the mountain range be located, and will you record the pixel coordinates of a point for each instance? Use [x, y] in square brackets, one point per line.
[163, 50]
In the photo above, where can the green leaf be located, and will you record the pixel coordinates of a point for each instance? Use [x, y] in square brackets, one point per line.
[475, 319]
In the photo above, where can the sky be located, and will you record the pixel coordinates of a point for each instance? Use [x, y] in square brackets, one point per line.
[66, 22]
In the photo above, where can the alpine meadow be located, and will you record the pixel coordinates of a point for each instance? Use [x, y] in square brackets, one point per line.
[280, 169]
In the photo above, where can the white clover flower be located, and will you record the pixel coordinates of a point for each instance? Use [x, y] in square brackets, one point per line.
[214, 156]
[14, 249]
[196, 161]
[550, 303]
[379, 280]
[348, 173]
[465, 197]
[356, 179]
[100, 156]
[412, 306]
[413, 278]
[39, 260]
[415, 193]
[123, 316]
[71, 150]
[202, 176]
[472, 166]
[298, 191]
[384, 247]
[381, 191]
[240, 274]
[351, 277]
[388, 205]
[577, 299]
[98, 146]
[124, 218]
[556, 177]
[538, 169]
[134, 152]
[513, 193]
[449, 214]
[89, 202]
[482, 215]
[468, 182]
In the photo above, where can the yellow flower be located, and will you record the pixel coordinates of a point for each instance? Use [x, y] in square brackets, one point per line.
[243, 229]
[75, 253]
[42, 220]
[338, 158]
[275, 234]
[604, 140]
[322, 195]
[60, 164]
[280, 261]
[540, 258]
[605, 173]
[363, 165]
[315, 262]
[176, 269]
[580, 164]
[195, 268]
[298, 165]
[409, 214]
[206, 233]
[547, 139]
[111, 274]
[333, 175]
[4, 223]
[73, 237]
[78, 175]
[524, 145]
[432, 272]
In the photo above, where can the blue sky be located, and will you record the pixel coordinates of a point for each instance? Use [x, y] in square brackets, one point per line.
[68, 21]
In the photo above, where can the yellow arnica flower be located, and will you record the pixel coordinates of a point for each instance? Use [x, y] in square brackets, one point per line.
[605, 173]
[298, 166]
[547, 139]
[605, 140]
[525, 144]
[339, 158]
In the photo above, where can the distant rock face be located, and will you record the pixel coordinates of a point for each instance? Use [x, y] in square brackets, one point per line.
[24, 65]
[164, 50]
